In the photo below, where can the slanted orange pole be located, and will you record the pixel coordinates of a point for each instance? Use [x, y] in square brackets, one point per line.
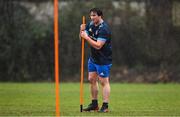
[56, 49]
[82, 69]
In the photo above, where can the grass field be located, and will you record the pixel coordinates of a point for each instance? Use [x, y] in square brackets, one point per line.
[29, 99]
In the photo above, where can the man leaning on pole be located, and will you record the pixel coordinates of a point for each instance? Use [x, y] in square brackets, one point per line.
[98, 35]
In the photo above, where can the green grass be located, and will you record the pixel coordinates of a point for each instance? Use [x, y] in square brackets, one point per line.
[28, 99]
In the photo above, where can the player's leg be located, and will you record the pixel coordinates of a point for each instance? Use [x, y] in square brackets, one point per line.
[92, 77]
[103, 73]
[106, 93]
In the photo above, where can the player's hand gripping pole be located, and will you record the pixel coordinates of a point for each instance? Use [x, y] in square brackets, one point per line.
[82, 69]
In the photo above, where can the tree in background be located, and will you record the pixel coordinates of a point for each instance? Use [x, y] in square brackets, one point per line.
[26, 52]
[143, 37]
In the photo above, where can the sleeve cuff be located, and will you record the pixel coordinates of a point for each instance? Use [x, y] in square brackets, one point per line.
[101, 39]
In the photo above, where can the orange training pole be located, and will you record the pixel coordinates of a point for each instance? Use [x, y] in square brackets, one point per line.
[56, 47]
[82, 69]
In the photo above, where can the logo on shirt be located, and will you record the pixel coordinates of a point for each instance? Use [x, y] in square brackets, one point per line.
[96, 32]
[90, 30]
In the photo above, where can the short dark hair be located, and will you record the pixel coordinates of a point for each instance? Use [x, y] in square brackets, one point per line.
[96, 10]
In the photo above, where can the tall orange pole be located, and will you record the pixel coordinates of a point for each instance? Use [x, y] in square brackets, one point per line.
[82, 69]
[56, 48]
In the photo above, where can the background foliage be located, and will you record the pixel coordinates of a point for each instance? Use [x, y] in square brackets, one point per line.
[145, 39]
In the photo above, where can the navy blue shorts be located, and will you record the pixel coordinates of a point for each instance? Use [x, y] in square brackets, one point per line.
[102, 70]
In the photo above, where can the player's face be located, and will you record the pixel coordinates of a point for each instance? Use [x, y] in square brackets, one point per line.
[95, 18]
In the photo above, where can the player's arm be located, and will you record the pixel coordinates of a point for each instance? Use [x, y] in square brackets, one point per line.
[96, 44]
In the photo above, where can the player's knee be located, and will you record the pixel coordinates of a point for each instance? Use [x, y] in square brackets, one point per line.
[92, 80]
[104, 81]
